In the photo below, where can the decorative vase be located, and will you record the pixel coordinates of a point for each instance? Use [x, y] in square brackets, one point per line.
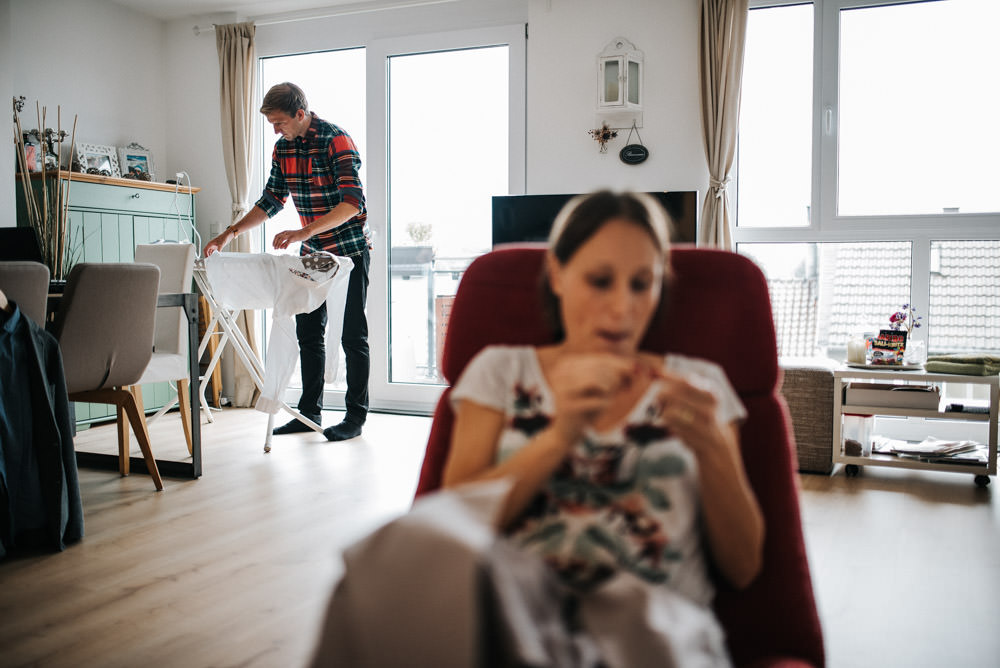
[915, 353]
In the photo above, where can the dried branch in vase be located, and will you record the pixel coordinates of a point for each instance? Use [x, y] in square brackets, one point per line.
[46, 205]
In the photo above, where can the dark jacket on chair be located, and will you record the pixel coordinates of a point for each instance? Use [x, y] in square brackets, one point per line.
[39, 491]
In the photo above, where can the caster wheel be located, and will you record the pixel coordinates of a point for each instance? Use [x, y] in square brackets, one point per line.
[982, 480]
[852, 470]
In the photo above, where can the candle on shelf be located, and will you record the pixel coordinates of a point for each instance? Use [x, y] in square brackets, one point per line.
[856, 351]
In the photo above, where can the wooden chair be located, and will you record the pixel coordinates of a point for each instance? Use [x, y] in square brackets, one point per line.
[27, 284]
[104, 325]
[169, 362]
[717, 309]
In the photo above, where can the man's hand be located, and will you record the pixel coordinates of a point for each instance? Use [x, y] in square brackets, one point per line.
[287, 237]
[218, 243]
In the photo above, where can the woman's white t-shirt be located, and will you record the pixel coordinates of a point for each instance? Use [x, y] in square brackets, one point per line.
[625, 498]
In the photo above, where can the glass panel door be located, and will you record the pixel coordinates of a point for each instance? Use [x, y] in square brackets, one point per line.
[343, 105]
[448, 139]
[453, 123]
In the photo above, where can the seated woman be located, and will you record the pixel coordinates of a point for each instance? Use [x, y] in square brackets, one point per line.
[624, 466]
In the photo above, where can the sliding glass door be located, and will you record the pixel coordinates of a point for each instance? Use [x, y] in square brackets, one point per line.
[439, 122]
[454, 138]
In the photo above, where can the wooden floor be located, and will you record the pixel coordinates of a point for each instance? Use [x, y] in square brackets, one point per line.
[234, 569]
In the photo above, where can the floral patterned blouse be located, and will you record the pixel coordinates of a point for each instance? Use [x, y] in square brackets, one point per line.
[625, 498]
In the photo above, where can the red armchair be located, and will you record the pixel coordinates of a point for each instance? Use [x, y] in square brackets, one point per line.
[718, 309]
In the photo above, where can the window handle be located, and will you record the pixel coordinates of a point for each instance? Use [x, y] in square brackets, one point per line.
[828, 120]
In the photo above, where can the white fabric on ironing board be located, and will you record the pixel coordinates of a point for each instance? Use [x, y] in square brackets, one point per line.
[287, 284]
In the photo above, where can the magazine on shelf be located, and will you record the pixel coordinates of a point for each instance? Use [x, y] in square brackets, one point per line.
[935, 446]
[978, 455]
[932, 450]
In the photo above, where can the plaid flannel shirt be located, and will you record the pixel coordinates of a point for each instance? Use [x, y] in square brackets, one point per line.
[319, 171]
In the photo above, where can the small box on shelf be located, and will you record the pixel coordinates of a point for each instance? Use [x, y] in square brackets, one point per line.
[857, 434]
[927, 397]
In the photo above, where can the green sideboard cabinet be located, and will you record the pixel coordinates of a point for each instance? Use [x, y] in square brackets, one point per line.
[107, 218]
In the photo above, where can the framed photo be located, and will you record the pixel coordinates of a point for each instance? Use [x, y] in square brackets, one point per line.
[98, 159]
[136, 162]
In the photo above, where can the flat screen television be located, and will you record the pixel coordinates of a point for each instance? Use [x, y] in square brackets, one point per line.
[20, 243]
[520, 218]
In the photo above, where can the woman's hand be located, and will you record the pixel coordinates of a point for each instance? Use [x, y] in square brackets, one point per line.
[691, 412]
[584, 386]
[733, 521]
[287, 237]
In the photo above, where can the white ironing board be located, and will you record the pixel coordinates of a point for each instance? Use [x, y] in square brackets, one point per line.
[226, 319]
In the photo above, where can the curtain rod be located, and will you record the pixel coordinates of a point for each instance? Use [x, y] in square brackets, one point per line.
[309, 15]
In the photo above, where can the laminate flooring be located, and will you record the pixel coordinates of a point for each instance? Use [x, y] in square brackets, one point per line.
[235, 568]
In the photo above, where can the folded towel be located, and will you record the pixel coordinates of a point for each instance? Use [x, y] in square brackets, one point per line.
[970, 364]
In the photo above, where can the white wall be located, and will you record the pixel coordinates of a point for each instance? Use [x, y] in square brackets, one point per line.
[194, 132]
[132, 78]
[564, 39]
[192, 80]
[95, 60]
[6, 88]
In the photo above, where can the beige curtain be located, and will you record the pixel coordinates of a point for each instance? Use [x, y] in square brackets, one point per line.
[237, 68]
[723, 35]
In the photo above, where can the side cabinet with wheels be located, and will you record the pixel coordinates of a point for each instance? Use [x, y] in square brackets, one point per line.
[843, 411]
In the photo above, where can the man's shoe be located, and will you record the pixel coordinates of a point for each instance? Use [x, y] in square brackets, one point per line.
[296, 427]
[343, 431]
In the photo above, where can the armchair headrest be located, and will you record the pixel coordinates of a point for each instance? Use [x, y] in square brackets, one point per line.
[718, 308]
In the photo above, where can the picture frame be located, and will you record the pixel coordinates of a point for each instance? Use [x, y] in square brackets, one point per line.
[103, 160]
[136, 162]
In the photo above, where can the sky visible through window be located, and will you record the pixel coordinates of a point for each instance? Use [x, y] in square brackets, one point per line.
[916, 135]
[919, 96]
[447, 155]
[918, 102]
[334, 84]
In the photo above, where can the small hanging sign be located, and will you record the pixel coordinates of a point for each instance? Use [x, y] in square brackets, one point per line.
[633, 154]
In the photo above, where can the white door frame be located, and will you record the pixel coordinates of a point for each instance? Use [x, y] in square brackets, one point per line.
[410, 397]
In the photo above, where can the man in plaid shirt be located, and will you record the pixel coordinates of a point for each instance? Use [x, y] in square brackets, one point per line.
[317, 164]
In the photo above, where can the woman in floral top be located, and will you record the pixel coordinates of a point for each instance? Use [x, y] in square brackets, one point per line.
[624, 466]
[620, 459]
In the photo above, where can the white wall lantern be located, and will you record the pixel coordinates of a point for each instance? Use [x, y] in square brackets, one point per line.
[619, 84]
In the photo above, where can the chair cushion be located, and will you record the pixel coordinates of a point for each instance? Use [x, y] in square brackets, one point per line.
[27, 285]
[104, 324]
[165, 366]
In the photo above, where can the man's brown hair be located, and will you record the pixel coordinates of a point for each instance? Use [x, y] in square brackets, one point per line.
[286, 97]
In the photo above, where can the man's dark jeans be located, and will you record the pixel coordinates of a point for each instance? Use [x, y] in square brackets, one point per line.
[310, 329]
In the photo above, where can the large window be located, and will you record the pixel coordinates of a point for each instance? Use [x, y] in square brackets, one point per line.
[867, 140]
[446, 161]
[775, 148]
[344, 106]
[439, 122]
[918, 104]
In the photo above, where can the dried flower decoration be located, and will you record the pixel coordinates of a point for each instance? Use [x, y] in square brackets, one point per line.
[603, 135]
[905, 318]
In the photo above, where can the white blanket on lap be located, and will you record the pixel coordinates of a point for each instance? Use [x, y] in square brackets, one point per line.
[439, 588]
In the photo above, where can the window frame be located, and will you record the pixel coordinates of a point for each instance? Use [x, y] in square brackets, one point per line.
[825, 224]
[417, 398]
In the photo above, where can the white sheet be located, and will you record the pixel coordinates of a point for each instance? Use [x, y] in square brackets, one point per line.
[288, 285]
